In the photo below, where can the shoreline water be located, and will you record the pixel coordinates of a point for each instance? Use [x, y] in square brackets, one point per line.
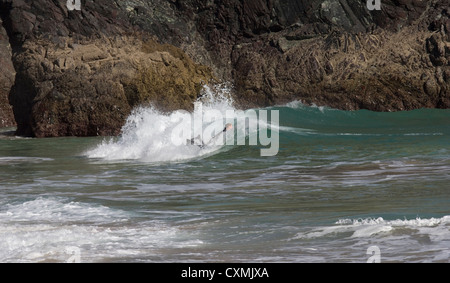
[342, 183]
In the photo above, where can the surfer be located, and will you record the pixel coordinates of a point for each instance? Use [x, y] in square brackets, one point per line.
[202, 144]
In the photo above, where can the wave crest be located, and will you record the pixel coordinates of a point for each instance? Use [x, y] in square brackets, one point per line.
[148, 133]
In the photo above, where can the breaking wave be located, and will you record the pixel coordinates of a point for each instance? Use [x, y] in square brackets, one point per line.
[148, 134]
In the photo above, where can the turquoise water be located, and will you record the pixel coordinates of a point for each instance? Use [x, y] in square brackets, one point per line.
[341, 182]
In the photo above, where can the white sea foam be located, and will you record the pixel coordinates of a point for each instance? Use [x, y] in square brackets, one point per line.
[298, 131]
[148, 133]
[45, 242]
[152, 136]
[48, 229]
[299, 104]
[58, 210]
[435, 228]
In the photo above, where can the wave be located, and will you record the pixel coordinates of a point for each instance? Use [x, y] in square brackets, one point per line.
[21, 159]
[435, 228]
[152, 136]
[420, 122]
[57, 210]
[50, 229]
[398, 240]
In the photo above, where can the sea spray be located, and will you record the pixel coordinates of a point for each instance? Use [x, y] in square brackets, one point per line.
[150, 135]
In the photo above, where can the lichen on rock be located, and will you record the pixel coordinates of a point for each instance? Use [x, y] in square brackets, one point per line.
[91, 87]
[171, 81]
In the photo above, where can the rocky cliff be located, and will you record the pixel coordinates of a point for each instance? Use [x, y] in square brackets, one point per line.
[335, 52]
[80, 72]
[7, 76]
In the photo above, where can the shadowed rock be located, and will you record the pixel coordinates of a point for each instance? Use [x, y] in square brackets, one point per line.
[7, 75]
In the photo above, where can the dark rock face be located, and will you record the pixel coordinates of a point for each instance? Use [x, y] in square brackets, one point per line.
[335, 53]
[81, 72]
[7, 74]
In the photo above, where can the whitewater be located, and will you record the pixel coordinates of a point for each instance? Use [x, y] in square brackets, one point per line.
[342, 185]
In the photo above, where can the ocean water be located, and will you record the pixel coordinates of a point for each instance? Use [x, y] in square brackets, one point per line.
[343, 187]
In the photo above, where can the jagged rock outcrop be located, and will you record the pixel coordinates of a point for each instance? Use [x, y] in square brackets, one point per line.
[90, 87]
[335, 52]
[81, 72]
